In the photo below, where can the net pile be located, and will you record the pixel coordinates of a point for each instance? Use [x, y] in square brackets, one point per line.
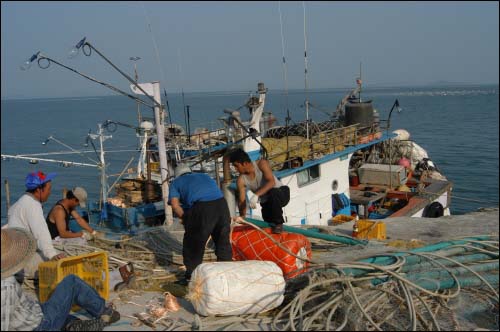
[440, 290]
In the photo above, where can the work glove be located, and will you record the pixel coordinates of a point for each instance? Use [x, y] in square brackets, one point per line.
[253, 201]
[88, 236]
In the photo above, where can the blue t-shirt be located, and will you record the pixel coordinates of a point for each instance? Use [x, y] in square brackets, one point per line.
[194, 187]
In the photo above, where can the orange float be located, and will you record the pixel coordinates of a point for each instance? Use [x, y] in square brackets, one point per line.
[250, 244]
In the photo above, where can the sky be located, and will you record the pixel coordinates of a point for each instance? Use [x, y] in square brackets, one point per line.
[229, 46]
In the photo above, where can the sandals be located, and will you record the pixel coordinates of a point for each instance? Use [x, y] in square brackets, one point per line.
[128, 275]
[277, 228]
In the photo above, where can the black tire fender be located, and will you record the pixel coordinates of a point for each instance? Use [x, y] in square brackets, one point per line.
[433, 210]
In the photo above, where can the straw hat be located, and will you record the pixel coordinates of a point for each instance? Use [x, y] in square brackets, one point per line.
[18, 246]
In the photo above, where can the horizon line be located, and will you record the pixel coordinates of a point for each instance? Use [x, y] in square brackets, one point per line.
[236, 92]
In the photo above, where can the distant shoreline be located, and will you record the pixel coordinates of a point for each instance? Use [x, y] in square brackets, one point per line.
[374, 86]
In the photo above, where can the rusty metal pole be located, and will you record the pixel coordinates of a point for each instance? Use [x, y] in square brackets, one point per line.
[7, 194]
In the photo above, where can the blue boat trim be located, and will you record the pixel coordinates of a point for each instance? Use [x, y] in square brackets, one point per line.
[332, 156]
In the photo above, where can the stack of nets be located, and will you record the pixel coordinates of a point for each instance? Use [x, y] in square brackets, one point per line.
[455, 288]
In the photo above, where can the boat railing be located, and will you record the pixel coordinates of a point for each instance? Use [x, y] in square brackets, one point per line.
[294, 152]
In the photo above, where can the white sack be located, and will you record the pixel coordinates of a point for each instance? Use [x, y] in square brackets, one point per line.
[236, 288]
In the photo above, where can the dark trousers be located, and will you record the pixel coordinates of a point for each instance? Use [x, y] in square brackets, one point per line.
[272, 207]
[203, 220]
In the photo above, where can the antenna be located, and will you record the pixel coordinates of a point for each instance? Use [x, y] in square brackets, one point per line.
[305, 72]
[135, 59]
[182, 93]
[284, 78]
[157, 53]
[359, 81]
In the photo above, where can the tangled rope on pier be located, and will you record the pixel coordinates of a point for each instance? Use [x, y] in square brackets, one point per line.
[418, 290]
[136, 250]
[438, 287]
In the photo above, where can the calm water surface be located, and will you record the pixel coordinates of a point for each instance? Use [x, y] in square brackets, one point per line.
[458, 126]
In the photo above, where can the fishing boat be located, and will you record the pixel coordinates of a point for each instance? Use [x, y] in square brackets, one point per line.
[351, 164]
[348, 165]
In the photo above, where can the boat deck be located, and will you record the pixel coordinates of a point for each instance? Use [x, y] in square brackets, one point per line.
[367, 194]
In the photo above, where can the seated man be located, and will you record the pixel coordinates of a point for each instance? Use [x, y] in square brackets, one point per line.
[258, 177]
[58, 218]
[21, 312]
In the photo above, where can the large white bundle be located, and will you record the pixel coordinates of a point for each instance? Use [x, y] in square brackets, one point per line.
[236, 288]
[403, 135]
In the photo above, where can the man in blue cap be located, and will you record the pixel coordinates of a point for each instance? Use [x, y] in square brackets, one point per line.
[27, 213]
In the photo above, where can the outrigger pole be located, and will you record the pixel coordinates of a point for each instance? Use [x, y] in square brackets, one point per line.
[158, 107]
[36, 159]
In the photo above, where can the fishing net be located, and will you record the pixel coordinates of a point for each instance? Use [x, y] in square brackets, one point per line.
[413, 293]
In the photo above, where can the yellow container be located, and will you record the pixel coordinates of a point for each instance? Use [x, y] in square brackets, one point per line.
[154, 166]
[92, 268]
[341, 218]
[368, 229]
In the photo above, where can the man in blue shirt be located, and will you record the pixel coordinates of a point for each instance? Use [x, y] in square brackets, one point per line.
[196, 199]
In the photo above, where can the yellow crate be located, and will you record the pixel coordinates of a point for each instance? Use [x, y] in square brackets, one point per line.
[341, 218]
[92, 268]
[154, 166]
[368, 229]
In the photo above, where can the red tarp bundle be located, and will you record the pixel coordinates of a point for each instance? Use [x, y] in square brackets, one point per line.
[250, 244]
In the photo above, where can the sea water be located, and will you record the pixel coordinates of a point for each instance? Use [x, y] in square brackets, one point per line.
[457, 125]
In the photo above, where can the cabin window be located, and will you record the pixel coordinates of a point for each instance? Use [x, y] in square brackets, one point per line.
[308, 175]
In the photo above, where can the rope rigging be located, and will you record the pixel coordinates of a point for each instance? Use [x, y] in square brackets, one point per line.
[305, 72]
[157, 53]
[287, 120]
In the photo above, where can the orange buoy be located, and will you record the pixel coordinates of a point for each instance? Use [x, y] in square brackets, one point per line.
[251, 244]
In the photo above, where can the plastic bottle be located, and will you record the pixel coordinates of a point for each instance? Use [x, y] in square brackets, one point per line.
[355, 230]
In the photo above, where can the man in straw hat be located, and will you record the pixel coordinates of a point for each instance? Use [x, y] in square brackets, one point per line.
[58, 218]
[23, 313]
[198, 201]
[27, 213]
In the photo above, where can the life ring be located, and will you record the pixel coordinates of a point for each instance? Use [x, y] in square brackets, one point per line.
[433, 210]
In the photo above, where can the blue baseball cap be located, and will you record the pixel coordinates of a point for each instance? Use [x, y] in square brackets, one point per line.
[36, 179]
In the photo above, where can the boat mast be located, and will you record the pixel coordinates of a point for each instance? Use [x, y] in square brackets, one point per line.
[287, 121]
[135, 59]
[160, 128]
[359, 82]
[160, 132]
[305, 72]
[184, 107]
[104, 182]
